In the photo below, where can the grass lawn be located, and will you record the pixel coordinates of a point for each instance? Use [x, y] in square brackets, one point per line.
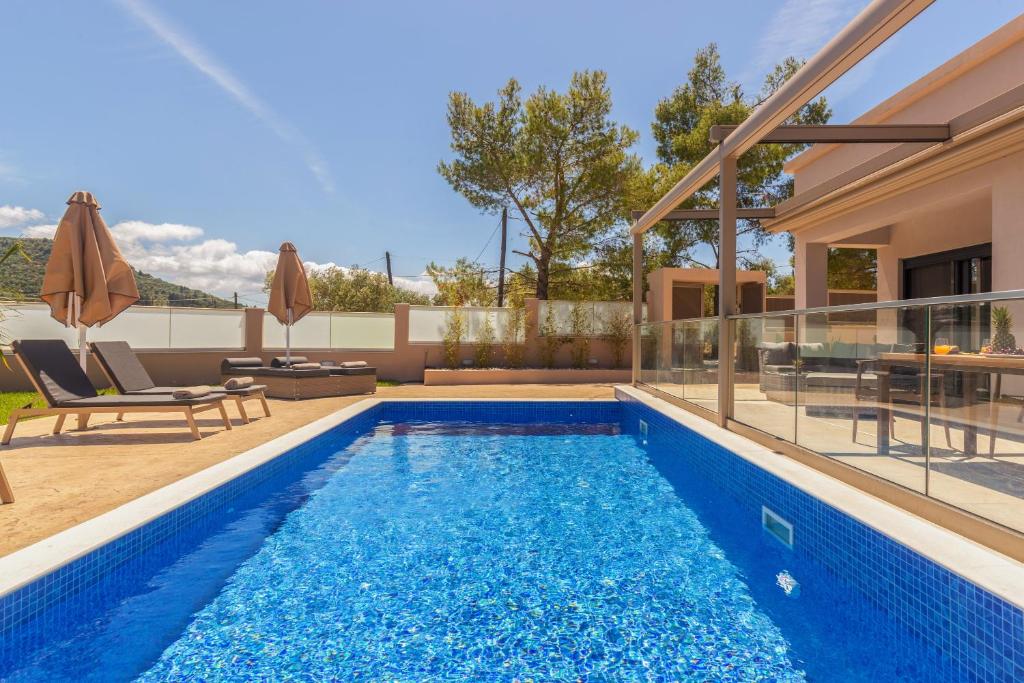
[387, 383]
[18, 399]
[9, 400]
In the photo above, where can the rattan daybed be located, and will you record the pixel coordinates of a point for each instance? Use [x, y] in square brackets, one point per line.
[302, 382]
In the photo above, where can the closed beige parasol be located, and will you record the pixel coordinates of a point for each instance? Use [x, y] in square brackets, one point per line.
[87, 280]
[290, 298]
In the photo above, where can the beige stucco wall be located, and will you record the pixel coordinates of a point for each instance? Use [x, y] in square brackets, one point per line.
[976, 206]
[936, 229]
[988, 69]
[660, 283]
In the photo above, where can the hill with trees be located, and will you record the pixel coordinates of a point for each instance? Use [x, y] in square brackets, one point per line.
[23, 278]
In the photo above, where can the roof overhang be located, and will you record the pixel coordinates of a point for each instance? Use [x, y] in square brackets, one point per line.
[984, 133]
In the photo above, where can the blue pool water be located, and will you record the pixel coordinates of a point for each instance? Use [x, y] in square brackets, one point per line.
[421, 550]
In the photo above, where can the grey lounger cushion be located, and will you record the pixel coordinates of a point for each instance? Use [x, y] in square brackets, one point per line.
[244, 391]
[122, 365]
[138, 401]
[129, 376]
[65, 385]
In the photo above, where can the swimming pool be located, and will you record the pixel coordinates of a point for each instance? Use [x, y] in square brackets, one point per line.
[507, 541]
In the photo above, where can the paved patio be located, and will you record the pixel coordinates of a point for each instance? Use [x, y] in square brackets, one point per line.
[989, 485]
[60, 481]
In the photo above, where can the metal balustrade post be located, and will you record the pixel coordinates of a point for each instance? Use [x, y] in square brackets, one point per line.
[926, 433]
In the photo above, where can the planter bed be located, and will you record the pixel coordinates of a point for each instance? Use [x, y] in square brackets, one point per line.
[443, 377]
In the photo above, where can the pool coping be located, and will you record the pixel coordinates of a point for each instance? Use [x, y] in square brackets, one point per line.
[978, 564]
[26, 565]
[984, 567]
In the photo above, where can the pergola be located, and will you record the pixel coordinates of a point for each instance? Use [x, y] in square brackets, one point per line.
[869, 29]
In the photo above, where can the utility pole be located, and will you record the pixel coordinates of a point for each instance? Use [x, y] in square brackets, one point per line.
[236, 299]
[387, 257]
[501, 261]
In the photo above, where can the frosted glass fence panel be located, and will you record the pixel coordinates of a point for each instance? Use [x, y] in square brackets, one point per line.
[141, 327]
[427, 324]
[326, 330]
[207, 328]
[33, 321]
[313, 331]
[362, 331]
[596, 315]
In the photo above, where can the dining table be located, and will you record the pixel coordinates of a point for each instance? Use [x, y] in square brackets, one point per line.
[970, 365]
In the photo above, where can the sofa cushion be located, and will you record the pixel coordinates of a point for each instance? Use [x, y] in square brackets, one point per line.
[231, 364]
[812, 350]
[282, 361]
[777, 353]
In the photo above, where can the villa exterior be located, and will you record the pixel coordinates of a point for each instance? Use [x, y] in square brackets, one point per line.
[945, 219]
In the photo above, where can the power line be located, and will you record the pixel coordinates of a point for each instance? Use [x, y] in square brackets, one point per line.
[488, 243]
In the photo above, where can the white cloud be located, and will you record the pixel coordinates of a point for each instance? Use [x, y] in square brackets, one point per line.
[39, 231]
[134, 231]
[423, 286]
[11, 216]
[799, 28]
[213, 265]
[176, 252]
[193, 53]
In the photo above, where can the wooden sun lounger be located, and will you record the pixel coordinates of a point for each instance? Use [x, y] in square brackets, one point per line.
[57, 377]
[127, 374]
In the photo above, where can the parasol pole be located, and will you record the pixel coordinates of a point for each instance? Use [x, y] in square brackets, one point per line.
[288, 340]
[74, 312]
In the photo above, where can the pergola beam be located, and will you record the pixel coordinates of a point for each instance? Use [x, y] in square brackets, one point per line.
[766, 212]
[876, 23]
[857, 133]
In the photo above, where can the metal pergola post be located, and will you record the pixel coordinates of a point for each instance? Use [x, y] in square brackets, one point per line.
[726, 282]
[638, 300]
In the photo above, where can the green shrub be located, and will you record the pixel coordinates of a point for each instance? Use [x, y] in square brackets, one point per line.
[618, 331]
[580, 329]
[550, 341]
[455, 329]
[484, 357]
[515, 332]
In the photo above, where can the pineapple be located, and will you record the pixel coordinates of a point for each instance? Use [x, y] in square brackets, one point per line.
[1003, 340]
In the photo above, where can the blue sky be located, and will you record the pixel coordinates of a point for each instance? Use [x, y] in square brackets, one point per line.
[213, 131]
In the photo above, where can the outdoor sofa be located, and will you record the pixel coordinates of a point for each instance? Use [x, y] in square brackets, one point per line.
[57, 377]
[301, 379]
[127, 374]
[840, 379]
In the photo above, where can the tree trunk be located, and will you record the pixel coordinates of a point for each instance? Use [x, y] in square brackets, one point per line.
[543, 268]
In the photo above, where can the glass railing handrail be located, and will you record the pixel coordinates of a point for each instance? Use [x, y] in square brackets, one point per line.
[681, 320]
[897, 303]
